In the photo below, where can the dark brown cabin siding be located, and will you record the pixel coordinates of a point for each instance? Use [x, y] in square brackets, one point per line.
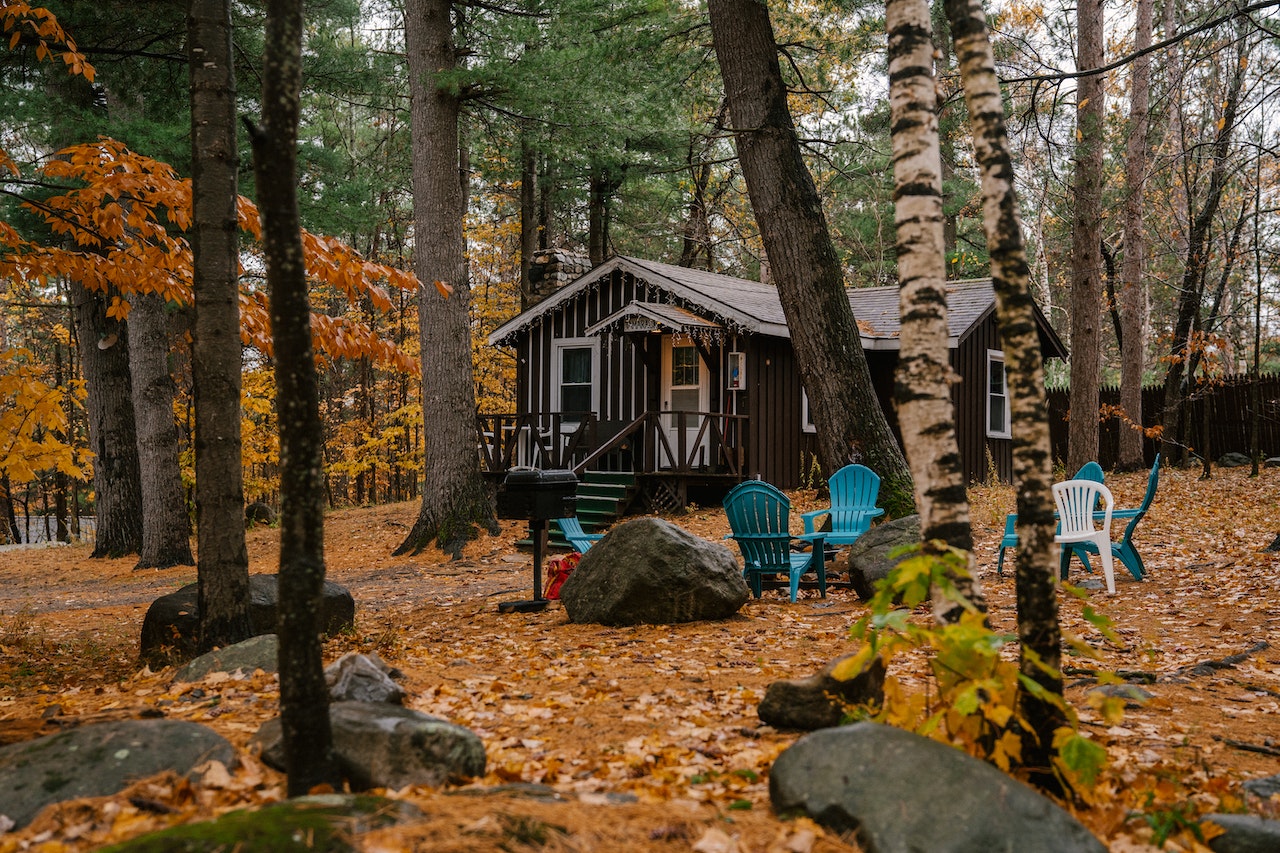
[970, 396]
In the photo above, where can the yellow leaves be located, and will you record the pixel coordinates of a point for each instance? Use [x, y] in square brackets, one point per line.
[32, 420]
[118, 309]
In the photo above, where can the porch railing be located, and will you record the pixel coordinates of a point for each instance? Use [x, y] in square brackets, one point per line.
[654, 442]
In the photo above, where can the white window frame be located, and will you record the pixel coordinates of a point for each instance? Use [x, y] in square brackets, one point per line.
[997, 430]
[806, 416]
[557, 377]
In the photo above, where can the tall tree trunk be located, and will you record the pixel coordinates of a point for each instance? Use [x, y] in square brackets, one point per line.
[1197, 259]
[166, 527]
[802, 259]
[924, 379]
[222, 559]
[454, 498]
[1039, 632]
[304, 696]
[104, 348]
[1086, 238]
[1133, 289]
[528, 218]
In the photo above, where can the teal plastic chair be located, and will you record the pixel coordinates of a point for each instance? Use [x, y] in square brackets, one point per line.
[573, 533]
[854, 491]
[1088, 471]
[759, 515]
[1124, 550]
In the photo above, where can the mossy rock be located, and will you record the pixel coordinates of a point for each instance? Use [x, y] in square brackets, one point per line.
[319, 824]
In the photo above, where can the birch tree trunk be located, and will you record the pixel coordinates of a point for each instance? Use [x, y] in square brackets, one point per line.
[1038, 630]
[304, 696]
[1086, 239]
[1133, 290]
[802, 259]
[924, 379]
[454, 498]
[222, 559]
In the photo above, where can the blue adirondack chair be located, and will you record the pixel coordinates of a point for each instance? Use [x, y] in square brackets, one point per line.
[1124, 550]
[1088, 471]
[575, 535]
[854, 491]
[759, 515]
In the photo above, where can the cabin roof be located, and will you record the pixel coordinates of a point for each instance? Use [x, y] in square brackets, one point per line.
[739, 305]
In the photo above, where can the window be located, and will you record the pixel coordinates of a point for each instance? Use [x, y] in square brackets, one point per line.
[806, 416]
[575, 386]
[997, 396]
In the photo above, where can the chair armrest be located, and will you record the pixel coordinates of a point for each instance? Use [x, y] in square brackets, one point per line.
[875, 512]
[816, 539]
[808, 517]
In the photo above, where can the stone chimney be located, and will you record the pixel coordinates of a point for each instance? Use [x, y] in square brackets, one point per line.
[552, 269]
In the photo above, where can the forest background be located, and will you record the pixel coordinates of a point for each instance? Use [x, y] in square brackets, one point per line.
[600, 128]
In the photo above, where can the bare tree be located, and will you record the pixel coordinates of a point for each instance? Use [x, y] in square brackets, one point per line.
[802, 259]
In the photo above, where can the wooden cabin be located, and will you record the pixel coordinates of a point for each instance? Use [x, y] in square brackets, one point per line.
[686, 381]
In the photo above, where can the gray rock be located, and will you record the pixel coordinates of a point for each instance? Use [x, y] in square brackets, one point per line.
[169, 630]
[1245, 834]
[1234, 460]
[259, 652]
[1133, 695]
[387, 746]
[101, 759]
[869, 559]
[820, 700]
[649, 571]
[1271, 462]
[900, 792]
[1264, 787]
[362, 678]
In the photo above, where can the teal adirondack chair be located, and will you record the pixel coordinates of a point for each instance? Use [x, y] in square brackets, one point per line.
[1088, 471]
[854, 491]
[575, 535]
[1124, 550]
[759, 516]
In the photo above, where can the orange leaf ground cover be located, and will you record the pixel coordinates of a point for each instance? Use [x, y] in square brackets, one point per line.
[649, 734]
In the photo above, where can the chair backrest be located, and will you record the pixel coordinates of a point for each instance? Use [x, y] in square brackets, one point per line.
[854, 486]
[759, 516]
[1090, 471]
[574, 534]
[1153, 479]
[1075, 500]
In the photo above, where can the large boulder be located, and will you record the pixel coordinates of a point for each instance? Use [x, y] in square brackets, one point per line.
[869, 559]
[169, 630]
[901, 792]
[1244, 833]
[380, 745]
[820, 700]
[260, 652]
[101, 759]
[649, 571]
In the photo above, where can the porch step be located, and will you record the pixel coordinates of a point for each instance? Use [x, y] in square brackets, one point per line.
[602, 498]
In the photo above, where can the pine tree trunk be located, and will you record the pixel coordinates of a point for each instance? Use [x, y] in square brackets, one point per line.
[222, 559]
[1038, 628]
[304, 696]
[802, 259]
[925, 378]
[104, 348]
[1086, 239]
[1133, 290]
[166, 527]
[454, 497]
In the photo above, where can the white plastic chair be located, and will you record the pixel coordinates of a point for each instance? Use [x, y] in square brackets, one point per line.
[1076, 500]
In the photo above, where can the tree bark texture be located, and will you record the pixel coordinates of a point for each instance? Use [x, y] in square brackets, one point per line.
[304, 696]
[924, 378]
[1038, 629]
[528, 218]
[222, 559]
[1133, 290]
[1086, 239]
[113, 435]
[166, 527]
[851, 426]
[1197, 259]
[454, 497]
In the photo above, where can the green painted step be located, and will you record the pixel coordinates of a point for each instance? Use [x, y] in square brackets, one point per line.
[601, 495]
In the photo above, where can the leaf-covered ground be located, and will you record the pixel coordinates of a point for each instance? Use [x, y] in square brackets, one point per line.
[649, 734]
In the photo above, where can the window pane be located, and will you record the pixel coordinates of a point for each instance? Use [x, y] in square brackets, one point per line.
[684, 366]
[997, 376]
[997, 420]
[685, 400]
[575, 398]
[575, 365]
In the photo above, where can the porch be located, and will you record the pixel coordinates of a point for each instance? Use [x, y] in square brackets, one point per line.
[670, 454]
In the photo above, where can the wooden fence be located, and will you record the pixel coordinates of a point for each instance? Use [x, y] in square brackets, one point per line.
[1219, 419]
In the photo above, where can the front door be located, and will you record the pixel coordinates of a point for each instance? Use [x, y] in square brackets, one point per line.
[686, 387]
